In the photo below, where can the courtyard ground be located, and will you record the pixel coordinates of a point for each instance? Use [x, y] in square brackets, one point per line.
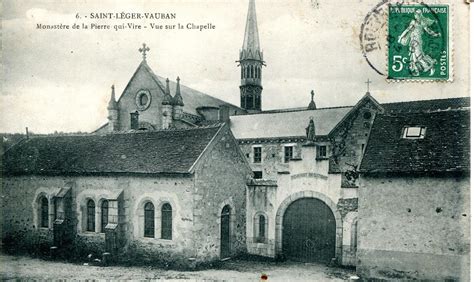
[27, 268]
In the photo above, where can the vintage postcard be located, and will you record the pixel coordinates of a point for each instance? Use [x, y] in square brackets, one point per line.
[261, 140]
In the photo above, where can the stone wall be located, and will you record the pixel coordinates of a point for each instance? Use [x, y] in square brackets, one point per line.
[414, 227]
[25, 191]
[220, 179]
[21, 231]
[261, 200]
[178, 193]
[349, 140]
[272, 156]
[306, 178]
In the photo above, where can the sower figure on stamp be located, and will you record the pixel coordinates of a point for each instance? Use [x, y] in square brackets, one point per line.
[412, 36]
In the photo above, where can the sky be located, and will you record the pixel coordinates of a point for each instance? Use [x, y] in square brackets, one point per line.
[59, 80]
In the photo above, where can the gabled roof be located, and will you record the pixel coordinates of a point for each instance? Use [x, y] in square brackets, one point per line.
[153, 152]
[192, 99]
[286, 124]
[366, 99]
[445, 147]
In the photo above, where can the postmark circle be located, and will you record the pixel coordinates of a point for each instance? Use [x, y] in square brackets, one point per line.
[387, 52]
[373, 37]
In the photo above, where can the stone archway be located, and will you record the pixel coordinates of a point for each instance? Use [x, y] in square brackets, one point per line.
[309, 195]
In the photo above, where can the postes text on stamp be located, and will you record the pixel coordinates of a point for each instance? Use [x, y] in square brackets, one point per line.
[418, 42]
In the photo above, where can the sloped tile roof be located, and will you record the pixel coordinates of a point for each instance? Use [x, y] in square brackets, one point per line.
[194, 99]
[286, 123]
[445, 147]
[154, 152]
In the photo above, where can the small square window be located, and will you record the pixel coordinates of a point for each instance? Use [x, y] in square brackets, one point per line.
[257, 154]
[257, 175]
[322, 151]
[288, 153]
[414, 132]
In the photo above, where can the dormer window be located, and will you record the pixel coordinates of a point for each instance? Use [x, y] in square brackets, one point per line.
[414, 132]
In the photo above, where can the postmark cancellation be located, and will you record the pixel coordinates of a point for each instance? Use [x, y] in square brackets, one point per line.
[409, 41]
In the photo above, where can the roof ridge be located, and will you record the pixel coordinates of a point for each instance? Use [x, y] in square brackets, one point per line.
[292, 110]
[214, 125]
[402, 114]
[427, 100]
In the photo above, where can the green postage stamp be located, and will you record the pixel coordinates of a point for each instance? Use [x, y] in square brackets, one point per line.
[418, 42]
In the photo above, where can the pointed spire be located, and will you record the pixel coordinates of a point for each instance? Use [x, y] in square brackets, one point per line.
[251, 45]
[312, 104]
[178, 99]
[112, 103]
[168, 100]
[178, 88]
[168, 86]
[251, 41]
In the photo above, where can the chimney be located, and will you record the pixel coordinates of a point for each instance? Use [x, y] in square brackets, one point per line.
[27, 133]
[134, 120]
[224, 113]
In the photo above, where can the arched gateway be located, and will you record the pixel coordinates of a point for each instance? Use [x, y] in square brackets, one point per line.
[307, 228]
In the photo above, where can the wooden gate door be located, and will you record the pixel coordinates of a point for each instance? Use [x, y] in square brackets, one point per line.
[309, 231]
[225, 232]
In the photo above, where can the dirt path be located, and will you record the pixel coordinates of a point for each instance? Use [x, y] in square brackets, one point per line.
[15, 267]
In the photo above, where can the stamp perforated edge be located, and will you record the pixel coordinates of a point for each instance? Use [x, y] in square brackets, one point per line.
[450, 47]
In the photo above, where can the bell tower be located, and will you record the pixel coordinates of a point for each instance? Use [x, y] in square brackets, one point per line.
[251, 63]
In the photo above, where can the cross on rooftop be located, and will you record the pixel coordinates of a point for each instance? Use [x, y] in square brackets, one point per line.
[143, 50]
[368, 82]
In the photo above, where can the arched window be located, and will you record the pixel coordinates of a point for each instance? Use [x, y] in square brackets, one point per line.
[252, 71]
[249, 102]
[354, 236]
[225, 232]
[259, 72]
[248, 72]
[261, 228]
[241, 73]
[149, 220]
[90, 216]
[104, 213]
[44, 221]
[166, 222]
